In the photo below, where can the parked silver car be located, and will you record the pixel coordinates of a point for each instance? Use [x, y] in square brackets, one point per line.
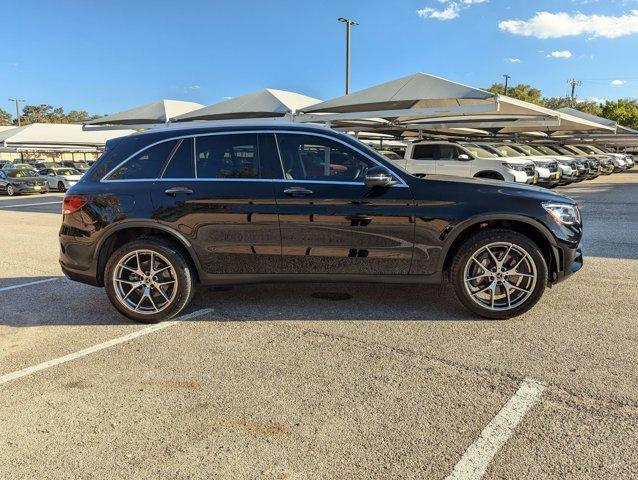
[61, 178]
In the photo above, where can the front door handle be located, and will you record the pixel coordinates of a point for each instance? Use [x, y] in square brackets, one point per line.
[178, 191]
[297, 192]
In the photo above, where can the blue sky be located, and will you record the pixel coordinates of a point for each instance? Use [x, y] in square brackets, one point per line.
[112, 55]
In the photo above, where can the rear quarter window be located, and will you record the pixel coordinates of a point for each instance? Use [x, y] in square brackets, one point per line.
[147, 164]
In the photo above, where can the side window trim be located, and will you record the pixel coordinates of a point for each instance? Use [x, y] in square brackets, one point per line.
[105, 178]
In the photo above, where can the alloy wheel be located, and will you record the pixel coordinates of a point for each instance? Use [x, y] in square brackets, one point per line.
[145, 282]
[10, 190]
[500, 276]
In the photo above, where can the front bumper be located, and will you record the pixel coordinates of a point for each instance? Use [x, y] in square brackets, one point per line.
[547, 178]
[570, 260]
[522, 177]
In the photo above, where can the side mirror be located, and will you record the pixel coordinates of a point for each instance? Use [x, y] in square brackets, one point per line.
[464, 156]
[378, 177]
[51, 174]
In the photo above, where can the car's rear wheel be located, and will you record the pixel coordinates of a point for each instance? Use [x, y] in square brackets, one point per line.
[10, 190]
[499, 274]
[61, 187]
[149, 280]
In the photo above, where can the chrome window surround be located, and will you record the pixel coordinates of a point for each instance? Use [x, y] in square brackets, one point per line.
[105, 178]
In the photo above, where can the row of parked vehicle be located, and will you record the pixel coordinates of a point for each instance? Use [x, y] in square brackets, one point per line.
[40, 176]
[547, 165]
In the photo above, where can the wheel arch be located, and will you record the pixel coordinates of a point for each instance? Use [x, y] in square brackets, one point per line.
[493, 174]
[127, 231]
[532, 229]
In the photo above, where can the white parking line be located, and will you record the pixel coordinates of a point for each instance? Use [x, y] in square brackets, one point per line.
[30, 204]
[12, 287]
[478, 456]
[96, 348]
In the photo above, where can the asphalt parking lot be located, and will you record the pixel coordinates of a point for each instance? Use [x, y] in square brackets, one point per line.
[286, 382]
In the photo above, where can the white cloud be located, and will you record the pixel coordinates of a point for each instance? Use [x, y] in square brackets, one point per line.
[448, 13]
[618, 83]
[596, 99]
[451, 11]
[562, 24]
[512, 60]
[560, 54]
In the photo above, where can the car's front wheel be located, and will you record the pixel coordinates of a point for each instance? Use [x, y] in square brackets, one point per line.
[149, 280]
[499, 273]
[61, 187]
[10, 190]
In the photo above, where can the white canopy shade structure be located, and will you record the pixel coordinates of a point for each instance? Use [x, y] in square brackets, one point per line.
[415, 96]
[427, 102]
[511, 116]
[266, 103]
[587, 116]
[152, 113]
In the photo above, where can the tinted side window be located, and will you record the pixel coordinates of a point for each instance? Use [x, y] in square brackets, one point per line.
[145, 165]
[227, 156]
[448, 152]
[182, 163]
[425, 152]
[306, 157]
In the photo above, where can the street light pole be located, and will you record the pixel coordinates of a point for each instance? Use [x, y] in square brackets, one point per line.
[507, 77]
[349, 24]
[17, 100]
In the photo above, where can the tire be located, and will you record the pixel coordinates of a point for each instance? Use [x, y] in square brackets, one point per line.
[11, 191]
[61, 187]
[156, 308]
[507, 299]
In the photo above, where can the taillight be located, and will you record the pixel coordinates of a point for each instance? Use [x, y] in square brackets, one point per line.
[72, 203]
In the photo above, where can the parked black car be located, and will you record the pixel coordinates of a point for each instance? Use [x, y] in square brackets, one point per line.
[260, 202]
[19, 181]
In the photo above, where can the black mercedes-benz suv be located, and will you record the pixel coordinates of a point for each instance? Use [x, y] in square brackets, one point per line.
[164, 210]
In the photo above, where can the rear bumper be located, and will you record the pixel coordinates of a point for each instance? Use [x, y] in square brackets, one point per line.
[31, 189]
[81, 276]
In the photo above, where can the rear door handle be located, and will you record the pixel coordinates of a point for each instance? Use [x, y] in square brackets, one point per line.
[297, 192]
[178, 191]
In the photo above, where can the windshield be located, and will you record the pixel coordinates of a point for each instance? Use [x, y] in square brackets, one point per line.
[590, 149]
[529, 150]
[477, 151]
[22, 173]
[545, 150]
[66, 171]
[507, 151]
[561, 150]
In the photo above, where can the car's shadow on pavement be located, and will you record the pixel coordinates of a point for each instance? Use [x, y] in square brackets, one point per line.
[62, 302]
[332, 302]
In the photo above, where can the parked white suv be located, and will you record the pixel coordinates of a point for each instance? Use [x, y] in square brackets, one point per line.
[464, 159]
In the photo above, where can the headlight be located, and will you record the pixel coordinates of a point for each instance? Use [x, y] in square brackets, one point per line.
[563, 213]
[514, 166]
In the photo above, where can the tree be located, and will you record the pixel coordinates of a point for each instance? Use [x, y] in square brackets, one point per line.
[75, 116]
[624, 111]
[593, 108]
[521, 91]
[5, 117]
[47, 114]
